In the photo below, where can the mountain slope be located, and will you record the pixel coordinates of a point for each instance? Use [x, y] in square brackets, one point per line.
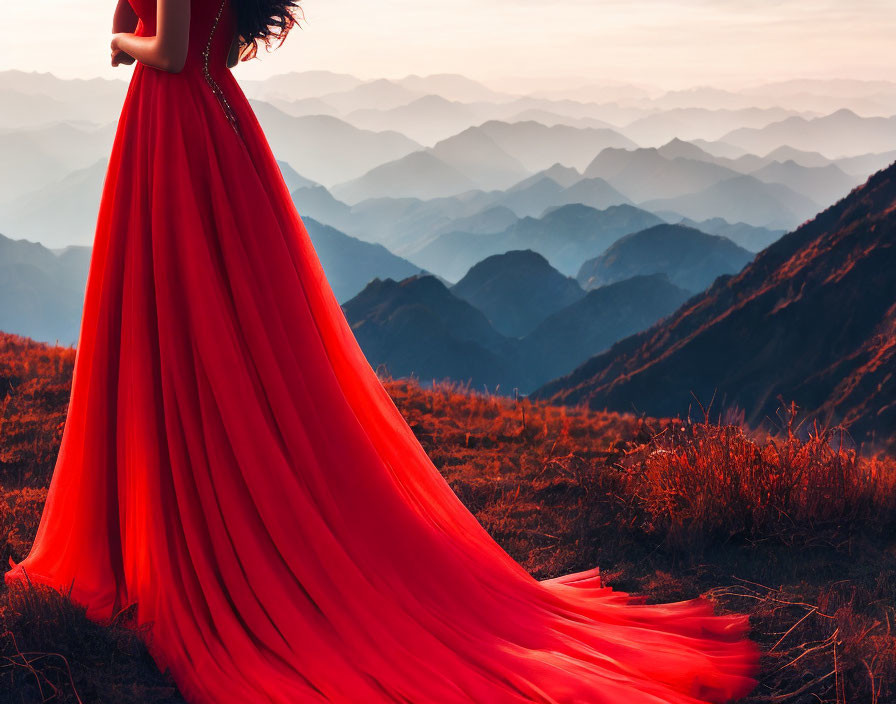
[517, 290]
[420, 174]
[811, 320]
[591, 325]
[645, 174]
[537, 196]
[750, 237]
[350, 264]
[60, 212]
[310, 142]
[742, 199]
[842, 133]
[822, 184]
[538, 147]
[41, 294]
[566, 236]
[691, 259]
[418, 327]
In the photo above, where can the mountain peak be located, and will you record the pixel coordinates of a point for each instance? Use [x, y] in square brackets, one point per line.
[517, 290]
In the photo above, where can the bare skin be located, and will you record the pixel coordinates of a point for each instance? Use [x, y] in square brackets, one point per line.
[167, 50]
[124, 20]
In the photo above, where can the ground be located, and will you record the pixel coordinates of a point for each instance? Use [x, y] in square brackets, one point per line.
[794, 528]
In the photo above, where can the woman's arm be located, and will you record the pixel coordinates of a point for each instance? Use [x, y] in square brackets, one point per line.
[124, 19]
[167, 50]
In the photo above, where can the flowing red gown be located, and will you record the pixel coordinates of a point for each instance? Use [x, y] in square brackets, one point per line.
[232, 464]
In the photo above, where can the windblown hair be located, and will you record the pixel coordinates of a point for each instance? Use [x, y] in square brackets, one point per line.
[264, 22]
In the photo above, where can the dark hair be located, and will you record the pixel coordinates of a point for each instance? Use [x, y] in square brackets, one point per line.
[262, 22]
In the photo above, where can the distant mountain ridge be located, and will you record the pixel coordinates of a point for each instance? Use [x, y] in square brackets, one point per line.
[811, 320]
[419, 327]
[691, 259]
[566, 236]
[41, 291]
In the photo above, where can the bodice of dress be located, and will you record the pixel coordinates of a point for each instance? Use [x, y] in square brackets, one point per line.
[212, 27]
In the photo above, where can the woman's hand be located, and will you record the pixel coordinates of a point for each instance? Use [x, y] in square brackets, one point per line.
[167, 50]
[119, 56]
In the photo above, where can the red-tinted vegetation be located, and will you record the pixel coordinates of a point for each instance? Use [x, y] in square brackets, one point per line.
[794, 530]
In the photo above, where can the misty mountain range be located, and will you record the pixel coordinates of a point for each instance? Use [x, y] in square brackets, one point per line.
[50, 128]
[471, 233]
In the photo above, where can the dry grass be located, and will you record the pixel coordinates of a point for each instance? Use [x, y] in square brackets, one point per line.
[795, 530]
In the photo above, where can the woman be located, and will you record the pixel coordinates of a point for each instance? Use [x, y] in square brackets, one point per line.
[232, 465]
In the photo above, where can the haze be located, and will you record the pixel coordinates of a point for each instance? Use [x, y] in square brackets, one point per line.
[514, 45]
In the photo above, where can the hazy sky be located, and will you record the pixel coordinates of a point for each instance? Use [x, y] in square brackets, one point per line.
[666, 43]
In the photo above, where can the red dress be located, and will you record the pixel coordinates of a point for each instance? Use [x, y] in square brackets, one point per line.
[232, 464]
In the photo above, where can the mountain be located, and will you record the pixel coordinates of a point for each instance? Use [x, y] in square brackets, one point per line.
[469, 160]
[803, 158]
[379, 94]
[592, 324]
[426, 120]
[39, 99]
[298, 85]
[41, 294]
[677, 148]
[292, 179]
[71, 146]
[566, 236]
[544, 193]
[310, 142]
[538, 146]
[570, 234]
[404, 225]
[61, 212]
[866, 164]
[318, 203]
[420, 174]
[564, 176]
[741, 199]
[645, 174]
[839, 134]
[812, 320]
[24, 166]
[418, 327]
[517, 290]
[593, 192]
[821, 184]
[694, 122]
[750, 237]
[351, 264]
[690, 259]
[491, 219]
[481, 159]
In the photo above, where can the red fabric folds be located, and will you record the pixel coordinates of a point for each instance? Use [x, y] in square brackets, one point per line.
[233, 466]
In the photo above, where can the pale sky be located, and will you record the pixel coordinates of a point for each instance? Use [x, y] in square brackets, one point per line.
[664, 43]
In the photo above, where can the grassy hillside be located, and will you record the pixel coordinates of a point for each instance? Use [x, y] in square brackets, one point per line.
[793, 529]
